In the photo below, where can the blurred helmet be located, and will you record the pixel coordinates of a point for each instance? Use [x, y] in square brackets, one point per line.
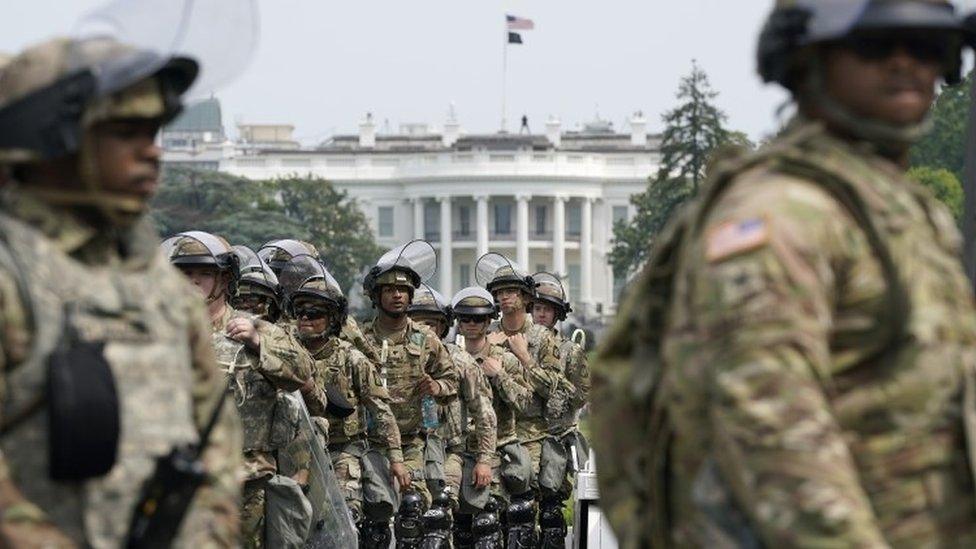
[549, 289]
[407, 265]
[306, 281]
[428, 302]
[202, 249]
[496, 272]
[277, 252]
[257, 283]
[474, 301]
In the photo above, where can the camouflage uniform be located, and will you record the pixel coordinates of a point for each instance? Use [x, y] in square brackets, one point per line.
[257, 380]
[818, 363]
[410, 355]
[339, 364]
[470, 425]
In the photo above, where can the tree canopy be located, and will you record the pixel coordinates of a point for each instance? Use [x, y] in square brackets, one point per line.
[252, 212]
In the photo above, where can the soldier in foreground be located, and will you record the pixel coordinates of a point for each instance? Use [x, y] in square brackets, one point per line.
[468, 428]
[83, 286]
[563, 409]
[263, 363]
[795, 366]
[511, 490]
[316, 303]
[414, 363]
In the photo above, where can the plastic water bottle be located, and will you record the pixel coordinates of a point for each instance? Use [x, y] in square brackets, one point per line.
[428, 411]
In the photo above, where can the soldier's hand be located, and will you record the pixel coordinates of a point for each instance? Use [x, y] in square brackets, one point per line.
[400, 475]
[309, 387]
[491, 366]
[519, 346]
[482, 475]
[23, 534]
[497, 338]
[243, 330]
[429, 386]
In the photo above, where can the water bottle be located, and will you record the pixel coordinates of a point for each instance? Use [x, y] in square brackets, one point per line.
[428, 411]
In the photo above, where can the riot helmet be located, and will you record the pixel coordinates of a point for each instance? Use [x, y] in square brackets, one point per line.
[496, 272]
[549, 289]
[428, 302]
[202, 249]
[276, 253]
[407, 265]
[258, 290]
[474, 301]
[311, 291]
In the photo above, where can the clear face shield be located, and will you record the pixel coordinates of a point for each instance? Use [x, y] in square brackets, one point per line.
[417, 256]
[194, 249]
[277, 252]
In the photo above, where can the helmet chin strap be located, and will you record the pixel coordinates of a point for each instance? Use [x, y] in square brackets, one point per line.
[891, 140]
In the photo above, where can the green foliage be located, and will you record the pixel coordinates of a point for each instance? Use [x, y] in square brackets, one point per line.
[253, 212]
[945, 146]
[694, 130]
[943, 184]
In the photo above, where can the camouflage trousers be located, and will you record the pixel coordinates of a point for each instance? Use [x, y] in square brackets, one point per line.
[252, 513]
[349, 475]
[536, 450]
[415, 460]
[454, 472]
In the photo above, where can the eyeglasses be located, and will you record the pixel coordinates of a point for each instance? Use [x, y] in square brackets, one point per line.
[311, 313]
[923, 46]
[471, 319]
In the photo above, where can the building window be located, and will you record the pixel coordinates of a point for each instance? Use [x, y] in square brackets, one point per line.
[503, 219]
[464, 220]
[574, 282]
[574, 219]
[541, 214]
[619, 214]
[432, 221]
[465, 275]
[385, 221]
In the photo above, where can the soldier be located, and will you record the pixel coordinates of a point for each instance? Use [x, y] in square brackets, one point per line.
[258, 290]
[562, 411]
[475, 309]
[262, 360]
[277, 253]
[795, 366]
[533, 345]
[316, 303]
[468, 429]
[83, 286]
[414, 363]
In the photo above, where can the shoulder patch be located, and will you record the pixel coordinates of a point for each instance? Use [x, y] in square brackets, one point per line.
[418, 338]
[735, 237]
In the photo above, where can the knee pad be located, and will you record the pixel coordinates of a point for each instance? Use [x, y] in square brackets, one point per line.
[553, 524]
[520, 511]
[487, 529]
[438, 521]
[462, 531]
[408, 525]
[374, 535]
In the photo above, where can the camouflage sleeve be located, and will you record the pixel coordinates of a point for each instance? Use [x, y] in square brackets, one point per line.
[283, 361]
[353, 334]
[544, 373]
[476, 394]
[441, 368]
[376, 399]
[214, 514]
[577, 373]
[758, 291]
[510, 384]
[315, 399]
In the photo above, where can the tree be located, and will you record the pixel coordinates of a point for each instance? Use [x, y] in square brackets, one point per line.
[943, 184]
[694, 130]
[253, 212]
[945, 145]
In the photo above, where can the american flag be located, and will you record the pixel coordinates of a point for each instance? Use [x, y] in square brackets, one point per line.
[519, 23]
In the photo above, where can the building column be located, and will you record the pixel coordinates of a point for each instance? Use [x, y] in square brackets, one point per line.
[447, 243]
[418, 218]
[482, 224]
[522, 231]
[559, 236]
[586, 254]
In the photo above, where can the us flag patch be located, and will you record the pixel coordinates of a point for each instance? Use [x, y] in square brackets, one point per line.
[735, 237]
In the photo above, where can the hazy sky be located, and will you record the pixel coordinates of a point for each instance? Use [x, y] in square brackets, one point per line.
[321, 65]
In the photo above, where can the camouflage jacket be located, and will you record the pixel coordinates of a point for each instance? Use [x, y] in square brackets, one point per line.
[544, 374]
[470, 420]
[341, 365]
[157, 342]
[280, 364]
[796, 364]
[573, 392]
[511, 393]
[410, 355]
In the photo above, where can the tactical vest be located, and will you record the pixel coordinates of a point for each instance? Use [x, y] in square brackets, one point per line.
[454, 416]
[532, 424]
[146, 335]
[255, 396]
[404, 370]
[337, 374]
[629, 398]
[563, 407]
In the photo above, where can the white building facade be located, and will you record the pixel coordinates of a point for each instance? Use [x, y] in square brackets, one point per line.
[549, 201]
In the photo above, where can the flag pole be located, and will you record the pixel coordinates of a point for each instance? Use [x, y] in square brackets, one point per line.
[504, 73]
